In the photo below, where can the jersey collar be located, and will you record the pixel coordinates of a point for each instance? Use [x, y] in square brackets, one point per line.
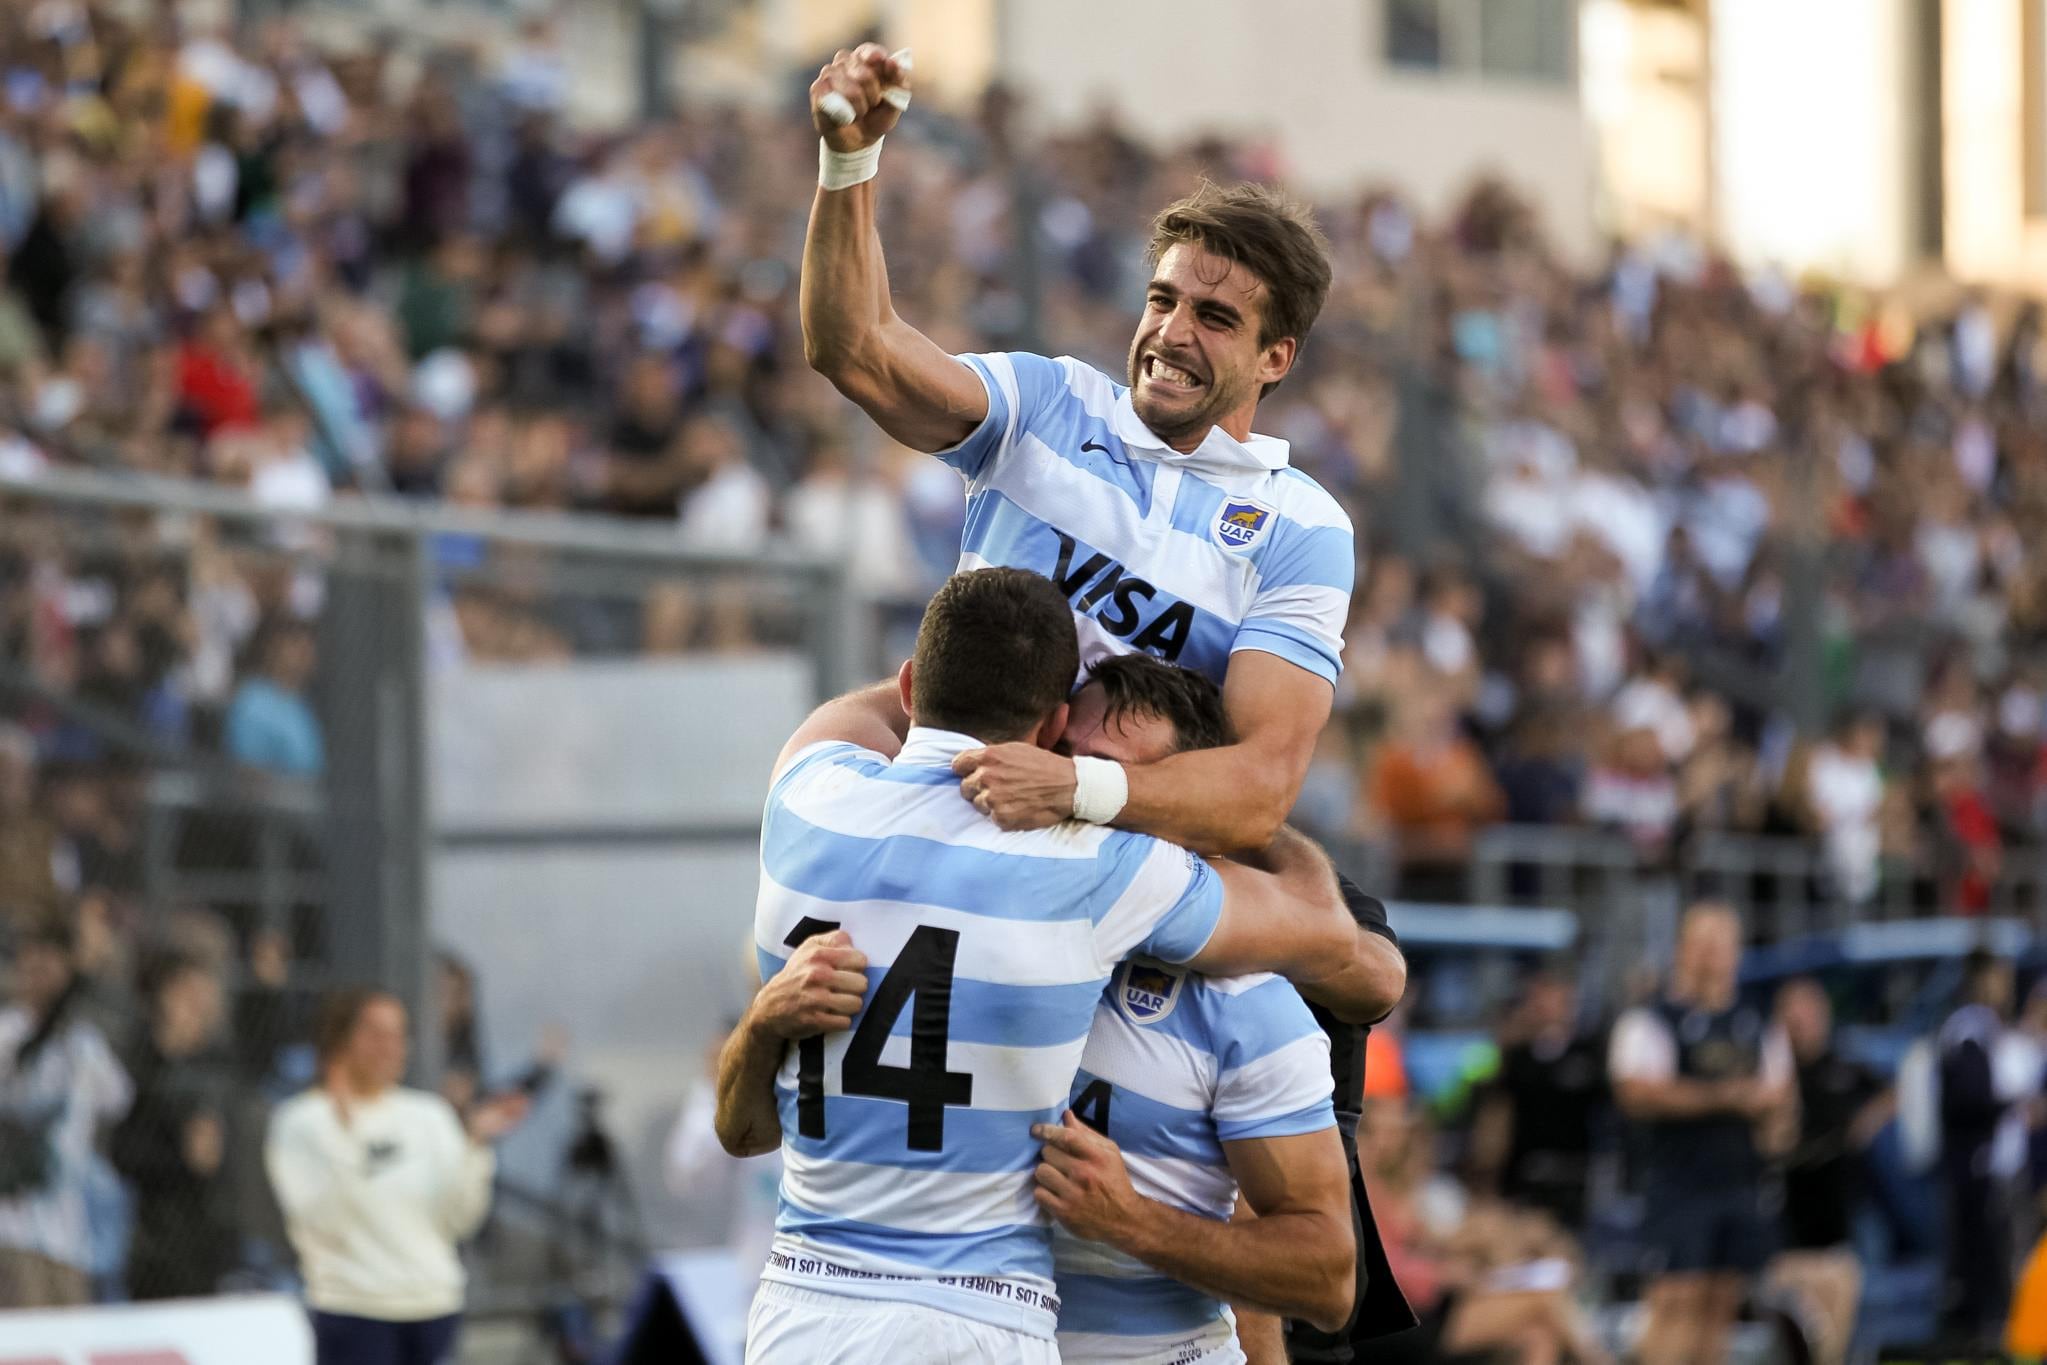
[927, 747]
[1219, 451]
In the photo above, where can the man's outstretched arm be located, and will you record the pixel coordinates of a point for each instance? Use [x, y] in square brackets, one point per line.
[906, 382]
[1215, 801]
[1297, 1258]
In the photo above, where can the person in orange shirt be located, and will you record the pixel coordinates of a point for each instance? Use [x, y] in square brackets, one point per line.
[1433, 787]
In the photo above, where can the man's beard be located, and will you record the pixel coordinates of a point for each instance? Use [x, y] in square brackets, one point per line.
[1175, 423]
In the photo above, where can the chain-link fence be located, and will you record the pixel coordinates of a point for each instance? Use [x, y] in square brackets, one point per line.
[216, 767]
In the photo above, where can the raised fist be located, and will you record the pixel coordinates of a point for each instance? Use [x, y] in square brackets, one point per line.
[870, 84]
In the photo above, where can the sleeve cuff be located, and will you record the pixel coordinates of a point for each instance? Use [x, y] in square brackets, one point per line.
[1294, 645]
[1313, 1119]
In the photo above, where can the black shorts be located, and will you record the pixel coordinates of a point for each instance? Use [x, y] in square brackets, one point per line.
[1689, 1228]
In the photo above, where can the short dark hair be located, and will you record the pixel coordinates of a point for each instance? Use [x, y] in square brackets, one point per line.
[1142, 685]
[162, 966]
[1269, 233]
[996, 654]
[340, 1012]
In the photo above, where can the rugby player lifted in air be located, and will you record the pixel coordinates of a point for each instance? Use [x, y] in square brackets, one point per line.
[1170, 527]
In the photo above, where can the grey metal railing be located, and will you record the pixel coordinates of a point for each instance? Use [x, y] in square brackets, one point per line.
[1782, 884]
[216, 834]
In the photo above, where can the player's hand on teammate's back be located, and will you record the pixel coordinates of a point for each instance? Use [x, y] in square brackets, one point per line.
[860, 77]
[818, 991]
[1018, 786]
[1083, 1182]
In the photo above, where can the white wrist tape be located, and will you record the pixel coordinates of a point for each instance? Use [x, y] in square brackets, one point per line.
[1100, 789]
[844, 170]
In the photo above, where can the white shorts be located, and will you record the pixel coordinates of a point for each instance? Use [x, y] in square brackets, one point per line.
[1210, 1347]
[792, 1326]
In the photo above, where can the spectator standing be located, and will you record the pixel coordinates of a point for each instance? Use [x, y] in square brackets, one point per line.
[270, 724]
[1533, 1132]
[1432, 784]
[378, 1184]
[1698, 1071]
[1842, 1105]
[1845, 791]
[1971, 848]
[59, 1085]
[1981, 1148]
[173, 1145]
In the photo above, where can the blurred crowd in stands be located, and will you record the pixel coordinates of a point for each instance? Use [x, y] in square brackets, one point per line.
[1604, 513]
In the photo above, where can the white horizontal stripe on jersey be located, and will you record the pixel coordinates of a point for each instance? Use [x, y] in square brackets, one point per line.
[1303, 604]
[1012, 952]
[837, 799]
[1078, 1256]
[1283, 1081]
[1194, 1186]
[1237, 985]
[935, 1202]
[1161, 880]
[1052, 489]
[1151, 1062]
[1307, 504]
[1005, 1078]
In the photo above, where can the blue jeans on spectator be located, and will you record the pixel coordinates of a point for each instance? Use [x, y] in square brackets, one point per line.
[342, 1340]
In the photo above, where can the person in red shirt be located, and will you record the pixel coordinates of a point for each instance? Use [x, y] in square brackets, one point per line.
[217, 372]
[1963, 817]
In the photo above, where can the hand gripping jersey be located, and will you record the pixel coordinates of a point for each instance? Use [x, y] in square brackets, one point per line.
[906, 1140]
[1189, 557]
[1177, 1065]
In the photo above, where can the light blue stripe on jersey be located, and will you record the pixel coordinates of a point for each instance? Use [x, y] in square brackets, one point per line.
[995, 1251]
[991, 1011]
[892, 852]
[907, 867]
[1132, 1308]
[975, 1139]
[1152, 1128]
[1190, 1064]
[1309, 1118]
[1048, 462]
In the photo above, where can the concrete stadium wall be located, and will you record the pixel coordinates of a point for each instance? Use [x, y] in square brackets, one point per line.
[597, 866]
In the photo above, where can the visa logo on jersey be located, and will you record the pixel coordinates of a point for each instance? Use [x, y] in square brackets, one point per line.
[1126, 601]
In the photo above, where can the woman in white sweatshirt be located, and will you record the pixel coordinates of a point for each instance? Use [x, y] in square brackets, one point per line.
[378, 1183]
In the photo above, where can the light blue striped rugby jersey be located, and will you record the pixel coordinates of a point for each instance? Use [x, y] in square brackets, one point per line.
[1185, 1063]
[907, 1170]
[1190, 557]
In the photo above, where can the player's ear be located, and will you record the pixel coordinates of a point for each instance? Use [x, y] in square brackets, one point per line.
[1054, 727]
[1278, 358]
[903, 679]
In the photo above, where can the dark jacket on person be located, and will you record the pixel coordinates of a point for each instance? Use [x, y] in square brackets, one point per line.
[185, 1240]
